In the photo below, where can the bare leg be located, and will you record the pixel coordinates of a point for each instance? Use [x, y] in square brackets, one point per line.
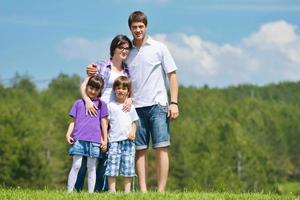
[162, 168]
[112, 184]
[142, 168]
[127, 184]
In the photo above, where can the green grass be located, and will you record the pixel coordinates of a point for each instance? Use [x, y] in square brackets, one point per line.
[59, 194]
[289, 188]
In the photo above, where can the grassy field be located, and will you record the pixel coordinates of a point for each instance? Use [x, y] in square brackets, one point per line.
[59, 194]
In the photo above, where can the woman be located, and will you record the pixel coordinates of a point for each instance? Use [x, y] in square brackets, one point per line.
[109, 70]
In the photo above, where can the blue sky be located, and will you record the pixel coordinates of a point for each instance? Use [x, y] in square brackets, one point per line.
[219, 43]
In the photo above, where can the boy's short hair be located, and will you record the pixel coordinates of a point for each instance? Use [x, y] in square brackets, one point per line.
[122, 81]
[137, 16]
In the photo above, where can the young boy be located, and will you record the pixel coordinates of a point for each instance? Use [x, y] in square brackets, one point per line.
[121, 135]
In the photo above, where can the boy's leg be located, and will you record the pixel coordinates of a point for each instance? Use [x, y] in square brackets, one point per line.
[77, 160]
[101, 180]
[81, 175]
[113, 163]
[112, 184]
[142, 168]
[127, 163]
[91, 167]
[127, 184]
[162, 168]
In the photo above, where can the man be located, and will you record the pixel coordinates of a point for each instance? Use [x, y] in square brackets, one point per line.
[150, 64]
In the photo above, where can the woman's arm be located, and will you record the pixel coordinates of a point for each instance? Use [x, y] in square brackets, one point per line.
[90, 107]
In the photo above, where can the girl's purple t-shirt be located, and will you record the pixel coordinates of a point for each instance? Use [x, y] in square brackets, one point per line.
[87, 128]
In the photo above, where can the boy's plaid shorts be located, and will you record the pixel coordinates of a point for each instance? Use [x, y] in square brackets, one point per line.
[121, 152]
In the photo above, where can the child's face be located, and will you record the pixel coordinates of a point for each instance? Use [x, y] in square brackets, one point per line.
[92, 92]
[121, 93]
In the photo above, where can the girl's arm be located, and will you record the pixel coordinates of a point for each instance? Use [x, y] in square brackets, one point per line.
[131, 135]
[69, 138]
[90, 107]
[104, 127]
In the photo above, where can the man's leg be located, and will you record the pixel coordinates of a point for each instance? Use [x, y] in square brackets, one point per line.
[81, 175]
[142, 168]
[160, 135]
[162, 168]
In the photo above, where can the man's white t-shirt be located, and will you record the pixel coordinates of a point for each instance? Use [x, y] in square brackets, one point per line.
[148, 69]
[120, 121]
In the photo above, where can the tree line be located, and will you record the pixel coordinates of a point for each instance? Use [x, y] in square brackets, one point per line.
[240, 138]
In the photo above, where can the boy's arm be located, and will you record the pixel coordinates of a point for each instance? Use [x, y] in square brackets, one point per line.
[131, 135]
[173, 111]
[69, 138]
[90, 107]
[104, 127]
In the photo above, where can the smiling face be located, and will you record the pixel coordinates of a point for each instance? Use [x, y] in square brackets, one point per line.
[121, 93]
[122, 51]
[92, 92]
[138, 30]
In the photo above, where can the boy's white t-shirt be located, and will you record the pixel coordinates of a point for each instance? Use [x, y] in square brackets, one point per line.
[120, 122]
[107, 93]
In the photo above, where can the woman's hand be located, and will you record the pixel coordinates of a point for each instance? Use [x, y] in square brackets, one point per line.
[90, 108]
[127, 105]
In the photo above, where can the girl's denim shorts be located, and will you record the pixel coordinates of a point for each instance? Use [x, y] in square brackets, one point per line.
[85, 148]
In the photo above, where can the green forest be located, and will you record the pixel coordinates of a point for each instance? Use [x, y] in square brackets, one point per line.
[242, 138]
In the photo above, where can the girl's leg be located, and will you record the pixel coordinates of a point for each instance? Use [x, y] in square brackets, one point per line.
[127, 184]
[112, 184]
[73, 172]
[91, 167]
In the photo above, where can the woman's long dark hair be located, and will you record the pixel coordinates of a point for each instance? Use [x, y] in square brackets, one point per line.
[119, 40]
[96, 82]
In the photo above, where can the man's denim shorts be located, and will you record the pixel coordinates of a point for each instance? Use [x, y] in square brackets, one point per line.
[85, 148]
[154, 124]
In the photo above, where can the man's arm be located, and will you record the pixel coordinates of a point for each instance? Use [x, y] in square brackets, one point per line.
[173, 111]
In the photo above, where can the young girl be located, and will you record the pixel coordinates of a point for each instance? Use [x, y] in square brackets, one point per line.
[121, 152]
[87, 134]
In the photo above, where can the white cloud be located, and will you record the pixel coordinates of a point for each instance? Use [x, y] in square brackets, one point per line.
[271, 54]
[79, 48]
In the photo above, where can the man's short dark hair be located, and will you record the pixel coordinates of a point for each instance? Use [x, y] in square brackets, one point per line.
[137, 16]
